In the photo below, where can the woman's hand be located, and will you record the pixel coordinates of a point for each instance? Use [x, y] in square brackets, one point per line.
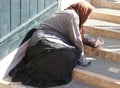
[99, 42]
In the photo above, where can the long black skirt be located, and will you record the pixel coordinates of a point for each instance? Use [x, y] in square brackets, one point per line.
[46, 64]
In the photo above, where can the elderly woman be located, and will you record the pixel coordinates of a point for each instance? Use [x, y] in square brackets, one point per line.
[55, 48]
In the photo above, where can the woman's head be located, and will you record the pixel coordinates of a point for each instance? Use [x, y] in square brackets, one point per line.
[83, 9]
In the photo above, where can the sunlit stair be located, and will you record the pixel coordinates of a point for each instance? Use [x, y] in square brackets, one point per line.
[112, 4]
[104, 71]
[104, 22]
[106, 14]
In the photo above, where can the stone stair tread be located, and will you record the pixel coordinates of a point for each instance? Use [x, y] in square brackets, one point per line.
[103, 24]
[99, 66]
[104, 67]
[3, 86]
[110, 44]
[115, 1]
[72, 84]
[114, 4]
[101, 73]
[107, 11]
[75, 84]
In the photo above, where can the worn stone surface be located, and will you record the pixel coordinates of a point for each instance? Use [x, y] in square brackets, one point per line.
[109, 50]
[113, 4]
[102, 53]
[97, 80]
[4, 86]
[102, 28]
[106, 14]
[72, 84]
[101, 73]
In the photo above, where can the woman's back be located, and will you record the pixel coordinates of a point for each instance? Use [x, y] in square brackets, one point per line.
[55, 28]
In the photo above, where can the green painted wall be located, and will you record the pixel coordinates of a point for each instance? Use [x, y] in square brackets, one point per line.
[17, 17]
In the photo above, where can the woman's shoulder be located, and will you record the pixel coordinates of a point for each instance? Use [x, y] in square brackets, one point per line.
[69, 12]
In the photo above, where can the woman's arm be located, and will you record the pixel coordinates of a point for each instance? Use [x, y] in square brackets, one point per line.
[74, 32]
[76, 38]
[91, 42]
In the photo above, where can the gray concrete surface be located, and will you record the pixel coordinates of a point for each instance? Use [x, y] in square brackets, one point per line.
[110, 44]
[104, 67]
[100, 66]
[72, 84]
[115, 1]
[107, 11]
[75, 84]
[103, 24]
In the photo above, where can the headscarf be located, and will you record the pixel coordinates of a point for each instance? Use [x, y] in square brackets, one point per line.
[83, 9]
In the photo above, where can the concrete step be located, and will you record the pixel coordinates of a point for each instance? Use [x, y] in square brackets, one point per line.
[113, 4]
[4, 86]
[101, 73]
[110, 15]
[93, 75]
[109, 50]
[103, 28]
[73, 84]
